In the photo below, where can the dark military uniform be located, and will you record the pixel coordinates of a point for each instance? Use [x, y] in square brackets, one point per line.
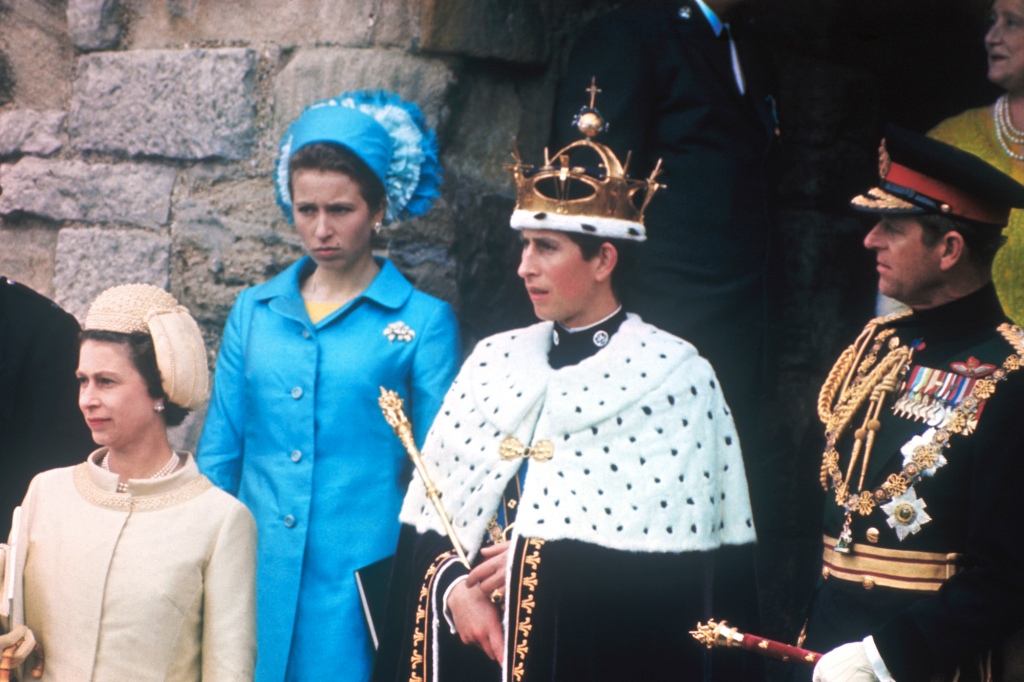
[951, 494]
[924, 436]
[41, 426]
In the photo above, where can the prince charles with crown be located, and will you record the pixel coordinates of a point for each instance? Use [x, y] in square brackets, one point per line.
[590, 466]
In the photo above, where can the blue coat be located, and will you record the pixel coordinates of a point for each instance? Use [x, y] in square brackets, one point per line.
[294, 430]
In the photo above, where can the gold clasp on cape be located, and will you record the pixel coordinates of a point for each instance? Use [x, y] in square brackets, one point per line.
[511, 448]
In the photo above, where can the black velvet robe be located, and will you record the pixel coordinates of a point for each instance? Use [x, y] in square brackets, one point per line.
[578, 612]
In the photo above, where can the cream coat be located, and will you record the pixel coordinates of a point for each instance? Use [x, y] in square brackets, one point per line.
[156, 584]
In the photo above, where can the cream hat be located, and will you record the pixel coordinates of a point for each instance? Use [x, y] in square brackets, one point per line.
[180, 353]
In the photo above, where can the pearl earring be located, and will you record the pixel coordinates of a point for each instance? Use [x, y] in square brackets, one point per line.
[159, 407]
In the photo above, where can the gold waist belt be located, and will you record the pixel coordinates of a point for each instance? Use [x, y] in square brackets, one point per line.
[903, 570]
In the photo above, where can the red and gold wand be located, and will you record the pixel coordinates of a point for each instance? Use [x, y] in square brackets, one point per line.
[720, 634]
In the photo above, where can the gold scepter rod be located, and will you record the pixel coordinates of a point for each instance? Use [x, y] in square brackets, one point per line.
[391, 406]
[722, 634]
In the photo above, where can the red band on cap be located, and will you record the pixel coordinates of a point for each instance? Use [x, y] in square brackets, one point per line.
[961, 204]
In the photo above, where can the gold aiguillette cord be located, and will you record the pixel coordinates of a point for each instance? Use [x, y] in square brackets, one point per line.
[391, 406]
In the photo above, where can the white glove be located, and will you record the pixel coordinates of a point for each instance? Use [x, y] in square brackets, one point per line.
[846, 663]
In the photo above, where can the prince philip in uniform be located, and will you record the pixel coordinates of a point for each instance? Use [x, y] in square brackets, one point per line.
[923, 566]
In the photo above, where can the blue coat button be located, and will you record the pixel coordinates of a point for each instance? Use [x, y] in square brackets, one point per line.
[289, 521]
[296, 392]
[306, 334]
[296, 456]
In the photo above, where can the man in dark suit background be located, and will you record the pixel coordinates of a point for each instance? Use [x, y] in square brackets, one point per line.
[40, 424]
[676, 86]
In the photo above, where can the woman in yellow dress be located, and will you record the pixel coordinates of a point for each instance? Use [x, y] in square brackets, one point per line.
[996, 134]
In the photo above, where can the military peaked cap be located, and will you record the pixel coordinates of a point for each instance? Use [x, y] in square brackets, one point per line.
[920, 175]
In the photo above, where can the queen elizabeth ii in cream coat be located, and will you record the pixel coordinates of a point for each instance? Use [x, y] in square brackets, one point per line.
[132, 565]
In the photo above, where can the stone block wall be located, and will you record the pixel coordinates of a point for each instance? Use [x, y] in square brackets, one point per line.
[137, 137]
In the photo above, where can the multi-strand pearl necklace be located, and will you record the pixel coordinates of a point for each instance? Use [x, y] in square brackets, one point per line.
[165, 470]
[1006, 133]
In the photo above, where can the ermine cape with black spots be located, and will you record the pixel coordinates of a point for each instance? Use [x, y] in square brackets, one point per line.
[645, 454]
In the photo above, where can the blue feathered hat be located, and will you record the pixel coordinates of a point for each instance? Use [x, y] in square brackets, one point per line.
[386, 132]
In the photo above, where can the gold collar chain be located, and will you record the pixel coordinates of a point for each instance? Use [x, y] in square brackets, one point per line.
[877, 383]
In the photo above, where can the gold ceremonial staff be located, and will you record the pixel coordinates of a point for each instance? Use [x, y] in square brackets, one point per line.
[721, 634]
[391, 406]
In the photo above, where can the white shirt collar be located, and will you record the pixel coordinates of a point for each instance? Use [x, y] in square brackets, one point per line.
[716, 23]
[590, 326]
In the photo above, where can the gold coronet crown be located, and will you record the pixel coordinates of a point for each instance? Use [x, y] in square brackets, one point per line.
[567, 197]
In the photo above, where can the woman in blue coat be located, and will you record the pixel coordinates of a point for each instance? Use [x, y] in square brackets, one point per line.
[293, 427]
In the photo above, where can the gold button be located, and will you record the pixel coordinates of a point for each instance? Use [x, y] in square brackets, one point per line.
[872, 535]
[868, 583]
[825, 573]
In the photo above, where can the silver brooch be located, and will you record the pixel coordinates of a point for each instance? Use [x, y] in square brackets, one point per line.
[399, 330]
[684, 12]
[554, 337]
[601, 338]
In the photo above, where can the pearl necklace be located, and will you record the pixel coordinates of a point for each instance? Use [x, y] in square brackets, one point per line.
[1006, 133]
[165, 470]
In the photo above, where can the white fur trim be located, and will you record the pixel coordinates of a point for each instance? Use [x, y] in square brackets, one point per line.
[646, 456]
[609, 228]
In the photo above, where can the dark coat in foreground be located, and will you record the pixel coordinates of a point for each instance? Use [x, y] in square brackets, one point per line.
[41, 426]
